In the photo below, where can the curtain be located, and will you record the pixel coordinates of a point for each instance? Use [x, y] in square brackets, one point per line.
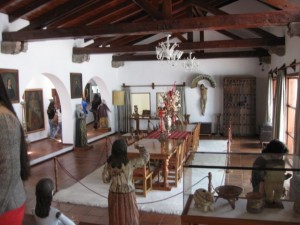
[279, 107]
[297, 121]
[182, 109]
[295, 181]
[269, 109]
[125, 112]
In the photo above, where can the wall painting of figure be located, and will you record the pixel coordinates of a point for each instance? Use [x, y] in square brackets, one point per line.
[76, 85]
[34, 110]
[11, 81]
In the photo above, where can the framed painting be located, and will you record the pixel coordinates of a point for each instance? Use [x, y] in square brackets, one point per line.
[34, 110]
[11, 82]
[141, 101]
[87, 92]
[76, 85]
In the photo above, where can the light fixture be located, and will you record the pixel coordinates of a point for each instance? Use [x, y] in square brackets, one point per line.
[167, 51]
[190, 63]
[118, 100]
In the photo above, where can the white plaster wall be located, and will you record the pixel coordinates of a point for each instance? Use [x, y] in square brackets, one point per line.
[292, 52]
[48, 64]
[146, 73]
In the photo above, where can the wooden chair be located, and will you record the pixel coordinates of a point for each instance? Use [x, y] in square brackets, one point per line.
[195, 141]
[129, 139]
[175, 166]
[142, 179]
[140, 135]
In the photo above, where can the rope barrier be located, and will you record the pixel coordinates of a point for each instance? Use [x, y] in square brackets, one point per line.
[160, 200]
[57, 162]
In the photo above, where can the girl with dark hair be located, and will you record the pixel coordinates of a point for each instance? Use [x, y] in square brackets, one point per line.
[14, 163]
[122, 206]
[44, 214]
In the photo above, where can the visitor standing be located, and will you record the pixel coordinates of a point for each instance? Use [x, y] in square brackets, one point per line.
[14, 163]
[51, 113]
[95, 103]
[118, 170]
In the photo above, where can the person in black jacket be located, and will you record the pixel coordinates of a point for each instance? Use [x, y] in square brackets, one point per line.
[51, 113]
[95, 104]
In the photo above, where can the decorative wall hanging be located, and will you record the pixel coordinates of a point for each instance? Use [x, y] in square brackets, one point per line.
[209, 78]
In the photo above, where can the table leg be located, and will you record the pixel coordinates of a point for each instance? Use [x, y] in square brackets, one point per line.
[163, 185]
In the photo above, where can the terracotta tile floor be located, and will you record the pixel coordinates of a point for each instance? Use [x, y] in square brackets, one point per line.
[80, 163]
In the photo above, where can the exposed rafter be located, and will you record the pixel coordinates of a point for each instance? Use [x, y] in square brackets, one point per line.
[135, 27]
[220, 22]
[249, 43]
[208, 55]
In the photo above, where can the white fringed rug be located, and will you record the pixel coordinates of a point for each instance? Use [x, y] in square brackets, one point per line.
[212, 146]
[91, 191]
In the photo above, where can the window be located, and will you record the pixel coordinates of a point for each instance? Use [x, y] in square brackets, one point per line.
[291, 99]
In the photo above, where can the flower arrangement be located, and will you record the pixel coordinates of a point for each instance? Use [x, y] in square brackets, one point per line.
[171, 102]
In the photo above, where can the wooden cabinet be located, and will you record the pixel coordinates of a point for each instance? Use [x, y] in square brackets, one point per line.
[205, 129]
[240, 105]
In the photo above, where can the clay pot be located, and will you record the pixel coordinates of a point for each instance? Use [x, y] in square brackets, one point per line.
[255, 202]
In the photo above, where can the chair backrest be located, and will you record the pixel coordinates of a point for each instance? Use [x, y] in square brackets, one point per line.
[184, 149]
[129, 140]
[179, 153]
[196, 137]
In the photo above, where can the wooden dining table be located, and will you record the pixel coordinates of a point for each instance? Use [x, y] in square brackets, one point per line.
[158, 151]
[180, 132]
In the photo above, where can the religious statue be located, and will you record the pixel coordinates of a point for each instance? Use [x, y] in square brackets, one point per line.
[81, 135]
[273, 182]
[103, 114]
[136, 110]
[203, 98]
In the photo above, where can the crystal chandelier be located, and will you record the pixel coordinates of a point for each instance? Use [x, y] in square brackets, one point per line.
[190, 63]
[166, 51]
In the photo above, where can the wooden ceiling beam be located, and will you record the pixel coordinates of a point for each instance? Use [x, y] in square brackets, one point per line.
[111, 15]
[222, 22]
[245, 43]
[215, 11]
[167, 9]
[279, 4]
[72, 19]
[4, 4]
[149, 8]
[206, 55]
[34, 5]
[57, 13]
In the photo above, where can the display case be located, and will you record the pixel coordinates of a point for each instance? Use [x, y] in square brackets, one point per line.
[217, 189]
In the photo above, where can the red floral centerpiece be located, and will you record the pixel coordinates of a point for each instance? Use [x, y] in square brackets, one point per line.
[170, 104]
